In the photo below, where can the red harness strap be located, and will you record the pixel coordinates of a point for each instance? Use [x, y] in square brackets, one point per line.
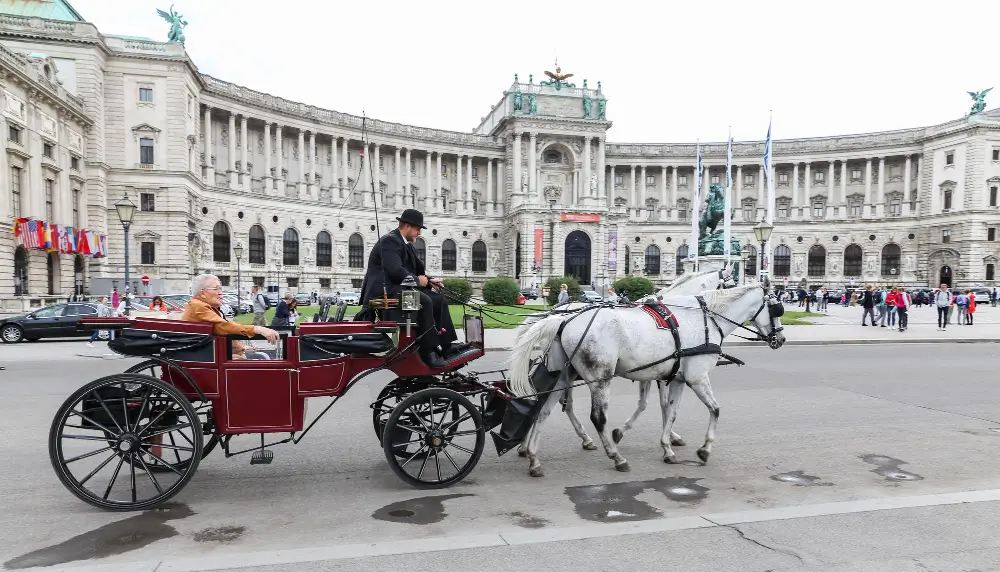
[661, 314]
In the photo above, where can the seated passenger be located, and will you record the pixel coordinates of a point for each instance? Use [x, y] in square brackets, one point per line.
[206, 298]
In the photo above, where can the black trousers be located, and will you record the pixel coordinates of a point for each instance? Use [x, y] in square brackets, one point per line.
[904, 318]
[433, 317]
[942, 316]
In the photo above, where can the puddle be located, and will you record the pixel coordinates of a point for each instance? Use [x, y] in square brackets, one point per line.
[889, 468]
[618, 502]
[800, 479]
[527, 521]
[220, 534]
[119, 537]
[421, 510]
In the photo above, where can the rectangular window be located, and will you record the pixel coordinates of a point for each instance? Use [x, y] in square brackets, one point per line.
[991, 234]
[15, 190]
[748, 214]
[650, 180]
[993, 196]
[947, 200]
[76, 208]
[996, 154]
[324, 282]
[682, 180]
[292, 282]
[946, 235]
[682, 213]
[819, 177]
[444, 169]
[146, 94]
[146, 151]
[381, 163]
[990, 272]
[148, 253]
[783, 178]
[258, 281]
[47, 150]
[413, 166]
[855, 174]
[619, 180]
[715, 179]
[223, 280]
[49, 183]
[949, 159]
[147, 202]
[74, 163]
[818, 210]
[475, 172]
[895, 207]
[14, 134]
[783, 210]
[748, 180]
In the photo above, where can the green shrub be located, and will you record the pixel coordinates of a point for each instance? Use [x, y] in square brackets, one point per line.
[555, 282]
[634, 287]
[501, 291]
[460, 288]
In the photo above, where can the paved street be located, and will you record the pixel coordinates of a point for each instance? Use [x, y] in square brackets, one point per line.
[833, 458]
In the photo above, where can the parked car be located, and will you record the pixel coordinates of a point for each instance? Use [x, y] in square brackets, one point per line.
[590, 296]
[172, 304]
[531, 293]
[303, 299]
[55, 321]
[349, 298]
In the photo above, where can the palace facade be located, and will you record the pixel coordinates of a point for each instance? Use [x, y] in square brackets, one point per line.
[534, 191]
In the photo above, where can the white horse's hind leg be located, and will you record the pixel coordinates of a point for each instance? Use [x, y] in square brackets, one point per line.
[534, 466]
[619, 434]
[669, 402]
[588, 443]
[703, 389]
[599, 415]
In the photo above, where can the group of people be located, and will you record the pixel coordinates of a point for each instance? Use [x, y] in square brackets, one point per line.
[889, 303]
[950, 302]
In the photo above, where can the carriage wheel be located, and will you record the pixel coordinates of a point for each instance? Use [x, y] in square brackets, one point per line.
[154, 368]
[102, 434]
[440, 434]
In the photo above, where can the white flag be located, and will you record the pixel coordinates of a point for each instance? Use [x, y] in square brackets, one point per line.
[728, 198]
[695, 208]
[767, 171]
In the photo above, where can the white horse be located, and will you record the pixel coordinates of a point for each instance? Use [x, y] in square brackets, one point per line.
[625, 342]
[688, 284]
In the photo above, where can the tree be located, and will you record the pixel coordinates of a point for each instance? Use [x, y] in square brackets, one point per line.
[555, 282]
[460, 288]
[501, 291]
[634, 287]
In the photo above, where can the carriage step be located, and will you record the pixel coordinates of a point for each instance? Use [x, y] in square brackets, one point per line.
[261, 457]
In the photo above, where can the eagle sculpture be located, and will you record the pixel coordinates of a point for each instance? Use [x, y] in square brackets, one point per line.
[558, 76]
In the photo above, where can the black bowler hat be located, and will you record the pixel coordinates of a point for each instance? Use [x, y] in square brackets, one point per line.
[412, 217]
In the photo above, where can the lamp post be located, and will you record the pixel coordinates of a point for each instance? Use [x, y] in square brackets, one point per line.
[126, 211]
[238, 251]
[762, 231]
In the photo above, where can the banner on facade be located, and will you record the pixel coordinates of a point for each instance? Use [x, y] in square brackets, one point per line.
[539, 234]
[613, 250]
[581, 217]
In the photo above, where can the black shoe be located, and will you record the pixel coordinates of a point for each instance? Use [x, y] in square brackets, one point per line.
[455, 349]
[435, 361]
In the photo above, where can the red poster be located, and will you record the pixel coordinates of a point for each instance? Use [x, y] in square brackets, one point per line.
[581, 217]
[539, 233]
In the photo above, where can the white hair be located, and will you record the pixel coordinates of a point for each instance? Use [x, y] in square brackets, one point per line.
[200, 282]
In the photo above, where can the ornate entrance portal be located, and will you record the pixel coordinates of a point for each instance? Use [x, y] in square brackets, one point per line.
[577, 262]
[945, 276]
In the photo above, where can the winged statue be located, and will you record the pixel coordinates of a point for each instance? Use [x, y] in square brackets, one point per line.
[558, 78]
[978, 100]
[176, 22]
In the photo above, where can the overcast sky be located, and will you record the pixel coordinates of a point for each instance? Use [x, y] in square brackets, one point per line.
[672, 71]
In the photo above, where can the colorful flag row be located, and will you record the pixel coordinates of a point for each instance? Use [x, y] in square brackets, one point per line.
[50, 237]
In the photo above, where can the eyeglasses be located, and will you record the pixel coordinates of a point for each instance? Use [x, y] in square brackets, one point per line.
[215, 289]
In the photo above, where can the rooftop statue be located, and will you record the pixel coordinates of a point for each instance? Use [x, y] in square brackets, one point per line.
[558, 78]
[177, 24]
[978, 101]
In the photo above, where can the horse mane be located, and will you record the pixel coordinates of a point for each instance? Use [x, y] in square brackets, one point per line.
[687, 277]
[719, 300]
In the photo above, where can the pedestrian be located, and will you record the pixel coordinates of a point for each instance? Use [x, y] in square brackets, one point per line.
[993, 297]
[868, 306]
[971, 309]
[102, 312]
[880, 305]
[962, 304]
[282, 314]
[259, 306]
[942, 301]
[903, 301]
[821, 295]
[114, 298]
[563, 297]
[891, 307]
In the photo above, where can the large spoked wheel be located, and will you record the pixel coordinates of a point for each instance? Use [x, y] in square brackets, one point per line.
[154, 368]
[434, 438]
[103, 433]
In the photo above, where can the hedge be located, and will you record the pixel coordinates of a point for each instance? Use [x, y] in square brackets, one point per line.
[501, 291]
[555, 282]
[460, 288]
[634, 287]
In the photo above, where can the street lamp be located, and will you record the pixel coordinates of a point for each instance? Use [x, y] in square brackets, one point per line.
[762, 231]
[126, 211]
[238, 251]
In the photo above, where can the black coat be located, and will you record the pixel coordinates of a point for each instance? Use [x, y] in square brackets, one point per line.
[392, 259]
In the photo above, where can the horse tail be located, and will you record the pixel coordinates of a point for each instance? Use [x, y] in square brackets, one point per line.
[540, 333]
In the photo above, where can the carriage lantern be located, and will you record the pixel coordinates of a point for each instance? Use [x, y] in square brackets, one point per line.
[410, 300]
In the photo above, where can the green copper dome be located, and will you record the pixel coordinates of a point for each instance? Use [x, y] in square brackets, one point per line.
[48, 9]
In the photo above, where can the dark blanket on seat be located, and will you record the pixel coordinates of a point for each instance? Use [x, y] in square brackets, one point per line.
[180, 346]
[321, 346]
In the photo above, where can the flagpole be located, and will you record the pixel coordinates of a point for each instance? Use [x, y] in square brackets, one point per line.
[695, 208]
[727, 200]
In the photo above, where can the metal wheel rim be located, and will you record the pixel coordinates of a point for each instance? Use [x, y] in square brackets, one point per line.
[11, 334]
[134, 394]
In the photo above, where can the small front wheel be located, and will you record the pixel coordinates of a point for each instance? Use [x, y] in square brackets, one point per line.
[434, 438]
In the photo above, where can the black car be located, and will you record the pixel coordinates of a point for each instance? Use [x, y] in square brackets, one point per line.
[55, 321]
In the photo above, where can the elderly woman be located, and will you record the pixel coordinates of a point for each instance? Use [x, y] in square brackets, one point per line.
[206, 298]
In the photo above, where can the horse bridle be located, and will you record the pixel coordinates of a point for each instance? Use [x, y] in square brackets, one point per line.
[775, 310]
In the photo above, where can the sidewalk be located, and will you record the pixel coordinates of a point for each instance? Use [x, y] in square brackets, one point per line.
[843, 326]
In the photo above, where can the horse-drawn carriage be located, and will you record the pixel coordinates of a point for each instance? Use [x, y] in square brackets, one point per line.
[133, 440]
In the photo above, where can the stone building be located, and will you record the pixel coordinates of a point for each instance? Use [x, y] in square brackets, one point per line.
[535, 190]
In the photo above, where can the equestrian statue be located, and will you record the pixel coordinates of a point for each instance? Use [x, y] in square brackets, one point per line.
[711, 239]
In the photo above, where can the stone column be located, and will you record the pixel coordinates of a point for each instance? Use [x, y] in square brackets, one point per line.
[585, 190]
[664, 205]
[516, 167]
[795, 184]
[409, 198]
[231, 171]
[601, 189]
[334, 160]
[498, 205]
[868, 185]
[738, 195]
[468, 188]
[300, 187]
[437, 190]
[533, 191]
[268, 178]
[400, 192]
[347, 171]
[843, 189]
[807, 195]
[490, 195]
[762, 205]
[642, 193]
[311, 180]
[209, 164]
[906, 180]
[880, 202]
[631, 188]
[456, 197]
[279, 148]
[377, 171]
[920, 173]
[6, 202]
[673, 193]
[429, 186]
[244, 143]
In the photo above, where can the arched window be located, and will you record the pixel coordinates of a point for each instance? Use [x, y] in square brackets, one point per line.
[553, 157]
[652, 260]
[324, 250]
[890, 259]
[290, 247]
[220, 242]
[682, 254]
[356, 251]
[782, 260]
[628, 260]
[517, 257]
[852, 261]
[479, 256]
[20, 271]
[817, 260]
[449, 255]
[257, 244]
[751, 266]
[421, 248]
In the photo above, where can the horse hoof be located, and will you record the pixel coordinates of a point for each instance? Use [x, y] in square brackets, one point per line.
[536, 472]
[623, 468]
[590, 446]
[522, 453]
[617, 435]
[678, 442]
[703, 454]
[670, 459]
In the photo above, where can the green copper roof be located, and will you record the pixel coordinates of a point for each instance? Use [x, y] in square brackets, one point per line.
[48, 9]
[124, 37]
